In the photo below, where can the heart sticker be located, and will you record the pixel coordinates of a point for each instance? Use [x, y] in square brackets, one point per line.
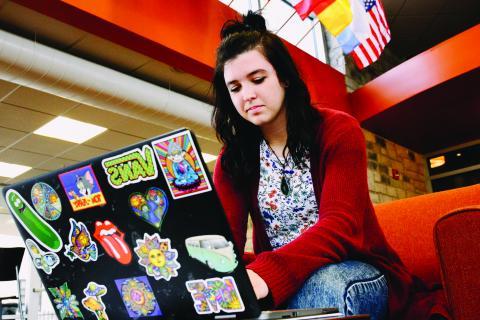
[150, 207]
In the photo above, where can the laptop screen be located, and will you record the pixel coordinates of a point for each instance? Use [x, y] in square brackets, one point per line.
[135, 233]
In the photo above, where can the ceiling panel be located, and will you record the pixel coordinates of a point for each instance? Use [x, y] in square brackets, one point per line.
[81, 153]
[43, 145]
[22, 157]
[40, 101]
[27, 175]
[107, 53]
[37, 26]
[9, 136]
[410, 26]
[5, 88]
[423, 7]
[112, 140]
[56, 163]
[22, 119]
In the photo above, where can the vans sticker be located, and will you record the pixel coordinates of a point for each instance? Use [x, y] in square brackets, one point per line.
[130, 167]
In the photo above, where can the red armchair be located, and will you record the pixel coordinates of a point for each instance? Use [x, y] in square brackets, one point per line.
[454, 218]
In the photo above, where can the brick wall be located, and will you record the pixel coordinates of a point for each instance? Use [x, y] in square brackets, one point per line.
[394, 172]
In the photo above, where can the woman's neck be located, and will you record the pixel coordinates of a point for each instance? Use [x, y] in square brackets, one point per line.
[276, 137]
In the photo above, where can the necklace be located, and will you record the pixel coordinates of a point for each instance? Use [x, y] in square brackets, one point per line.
[284, 185]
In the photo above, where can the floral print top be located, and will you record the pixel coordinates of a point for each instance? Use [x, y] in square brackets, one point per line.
[285, 216]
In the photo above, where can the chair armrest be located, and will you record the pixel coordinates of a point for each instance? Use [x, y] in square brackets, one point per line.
[457, 243]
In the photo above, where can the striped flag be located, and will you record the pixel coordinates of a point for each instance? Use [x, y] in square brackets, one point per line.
[370, 49]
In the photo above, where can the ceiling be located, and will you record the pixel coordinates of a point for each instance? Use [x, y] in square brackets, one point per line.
[23, 110]
[444, 116]
[417, 25]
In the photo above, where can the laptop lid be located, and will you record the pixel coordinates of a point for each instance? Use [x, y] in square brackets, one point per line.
[135, 233]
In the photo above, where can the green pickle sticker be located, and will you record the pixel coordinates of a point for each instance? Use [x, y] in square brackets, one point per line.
[32, 222]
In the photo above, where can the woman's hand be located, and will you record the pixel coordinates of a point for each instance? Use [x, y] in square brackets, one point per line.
[259, 285]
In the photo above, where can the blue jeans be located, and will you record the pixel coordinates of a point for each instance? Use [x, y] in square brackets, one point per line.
[352, 286]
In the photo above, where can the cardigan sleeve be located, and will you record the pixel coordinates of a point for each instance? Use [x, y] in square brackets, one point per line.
[233, 204]
[338, 233]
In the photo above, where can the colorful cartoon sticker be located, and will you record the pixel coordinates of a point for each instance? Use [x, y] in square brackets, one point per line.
[215, 295]
[82, 188]
[46, 201]
[137, 295]
[112, 240]
[213, 250]
[157, 257]
[130, 167]
[42, 260]
[66, 302]
[93, 300]
[41, 231]
[81, 244]
[181, 165]
[150, 207]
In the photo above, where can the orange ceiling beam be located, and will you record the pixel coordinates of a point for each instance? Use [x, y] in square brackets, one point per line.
[445, 61]
[183, 34]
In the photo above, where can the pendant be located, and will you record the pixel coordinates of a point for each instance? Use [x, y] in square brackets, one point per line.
[284, 187]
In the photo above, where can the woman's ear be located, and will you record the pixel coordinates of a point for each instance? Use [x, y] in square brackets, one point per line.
[285, 83]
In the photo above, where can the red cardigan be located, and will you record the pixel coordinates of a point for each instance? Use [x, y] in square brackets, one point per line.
[347, 228]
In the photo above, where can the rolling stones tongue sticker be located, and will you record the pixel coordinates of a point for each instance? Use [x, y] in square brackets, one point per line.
[81, 244]
[112, 240]
[93, 300]
[42, 260]
[150, 207]
[155, 254]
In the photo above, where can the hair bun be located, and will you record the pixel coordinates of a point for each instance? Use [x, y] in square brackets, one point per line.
[251, 22]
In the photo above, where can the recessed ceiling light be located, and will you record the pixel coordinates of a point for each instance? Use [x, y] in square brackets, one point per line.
[11, 170]
[459, 154]
[208, 157]
[437, 162]
[69, 130]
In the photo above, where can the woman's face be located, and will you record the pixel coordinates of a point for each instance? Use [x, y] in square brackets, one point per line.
[255, 89]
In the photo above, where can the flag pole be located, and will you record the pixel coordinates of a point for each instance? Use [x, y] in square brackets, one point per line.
[268, 1]
[311, 28]
[283, 25]
[230, 3]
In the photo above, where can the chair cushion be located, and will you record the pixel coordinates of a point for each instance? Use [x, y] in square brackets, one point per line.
[457, 242]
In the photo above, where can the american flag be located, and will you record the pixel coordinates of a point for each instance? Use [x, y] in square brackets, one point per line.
[370, 49]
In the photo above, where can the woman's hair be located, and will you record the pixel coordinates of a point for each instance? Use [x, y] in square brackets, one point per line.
[241, 138]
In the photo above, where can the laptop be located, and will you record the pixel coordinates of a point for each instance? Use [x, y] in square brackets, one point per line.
[137, 233]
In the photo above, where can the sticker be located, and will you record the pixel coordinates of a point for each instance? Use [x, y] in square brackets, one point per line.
[41, 231]
[157, 257]
[112, 240]
[46, 201]
[215, 295]
[93, 300]
[130, 167]
[214, 251]
[137, 295]
[82, 188]
[42, 260]
[66, 302]
[81, 244]
[150, 207]
[181, 165]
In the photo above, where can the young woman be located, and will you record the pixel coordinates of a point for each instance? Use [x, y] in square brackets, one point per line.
[301, 174]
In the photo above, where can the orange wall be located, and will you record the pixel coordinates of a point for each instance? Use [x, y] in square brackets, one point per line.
[183, 34]
[447, 60]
